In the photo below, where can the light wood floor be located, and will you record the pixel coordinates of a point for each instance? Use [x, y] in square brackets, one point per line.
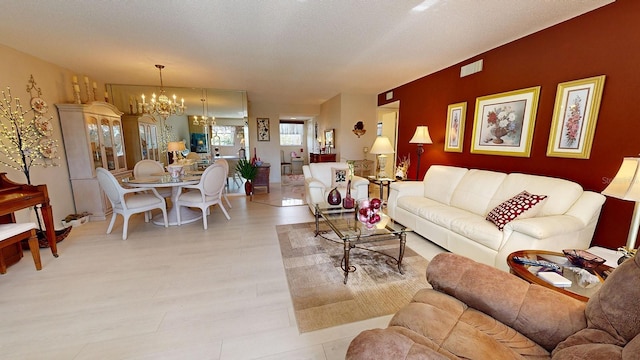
[176, 293]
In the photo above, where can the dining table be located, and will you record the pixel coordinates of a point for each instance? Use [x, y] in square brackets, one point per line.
[187, 215]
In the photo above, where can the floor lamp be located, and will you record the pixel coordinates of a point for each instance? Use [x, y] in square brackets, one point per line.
[626, 186]
[382, 147]
[420, 137]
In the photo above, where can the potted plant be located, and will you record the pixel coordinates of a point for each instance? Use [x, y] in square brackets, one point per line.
[248, 171]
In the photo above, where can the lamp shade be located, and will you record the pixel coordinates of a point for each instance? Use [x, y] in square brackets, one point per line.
[176, 146]
[382, 145]
[626, 184]
[421, 136]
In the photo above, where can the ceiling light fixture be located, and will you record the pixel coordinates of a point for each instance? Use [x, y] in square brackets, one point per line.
[162, 105]
[205, 120]
[423, 6]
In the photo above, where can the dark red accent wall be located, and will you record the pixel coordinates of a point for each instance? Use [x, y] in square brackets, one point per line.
[605, 41]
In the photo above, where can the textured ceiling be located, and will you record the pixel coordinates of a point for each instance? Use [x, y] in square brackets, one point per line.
[289, 51]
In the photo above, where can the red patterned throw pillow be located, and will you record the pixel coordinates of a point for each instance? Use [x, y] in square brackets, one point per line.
[518, 207]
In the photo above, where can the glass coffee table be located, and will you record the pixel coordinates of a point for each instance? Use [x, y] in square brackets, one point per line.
[343, 223]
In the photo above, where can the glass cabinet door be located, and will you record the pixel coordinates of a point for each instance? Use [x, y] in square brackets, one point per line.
[142, 132]
[94, 140]
[153, 145]
[108, 144]
[118, 144]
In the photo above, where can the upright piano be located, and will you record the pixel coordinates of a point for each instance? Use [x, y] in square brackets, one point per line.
[15, 196]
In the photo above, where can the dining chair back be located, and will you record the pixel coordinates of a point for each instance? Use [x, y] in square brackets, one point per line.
[208, 192]
[123, 203]
[225, 164]
[284, 164]
[146, 168]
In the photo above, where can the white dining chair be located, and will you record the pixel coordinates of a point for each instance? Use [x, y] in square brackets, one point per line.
[206, 193]
[147, 168]
[224, 163]
[126, 204]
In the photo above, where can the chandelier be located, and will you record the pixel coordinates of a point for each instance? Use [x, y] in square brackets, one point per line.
[162, 105]
[204, 119]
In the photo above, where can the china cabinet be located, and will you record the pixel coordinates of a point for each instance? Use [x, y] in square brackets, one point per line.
[93, 137]
[141, 138]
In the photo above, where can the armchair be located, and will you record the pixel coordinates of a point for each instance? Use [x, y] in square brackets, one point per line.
[320, 178]
[475, 311]
[126, 205]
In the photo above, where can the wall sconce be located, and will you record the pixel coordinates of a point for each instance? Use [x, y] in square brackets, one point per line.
[358, 129]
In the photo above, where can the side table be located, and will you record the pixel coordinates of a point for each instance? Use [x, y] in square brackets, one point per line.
[529, 273]
[262, 178]
[382, 182]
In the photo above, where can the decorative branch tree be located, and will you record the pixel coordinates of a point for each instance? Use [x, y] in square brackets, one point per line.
[25, 135]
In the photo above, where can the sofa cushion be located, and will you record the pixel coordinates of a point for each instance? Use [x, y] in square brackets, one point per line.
[522, 206]
[476, 189]
[440, 181]
[561, 194]
[322, 171]
[339, 177]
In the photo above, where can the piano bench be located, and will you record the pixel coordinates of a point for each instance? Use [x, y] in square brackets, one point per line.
[13, 233]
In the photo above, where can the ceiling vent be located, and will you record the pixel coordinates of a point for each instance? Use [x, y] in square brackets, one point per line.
[471, 68]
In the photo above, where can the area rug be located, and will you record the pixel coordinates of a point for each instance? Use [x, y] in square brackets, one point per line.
[321, 299]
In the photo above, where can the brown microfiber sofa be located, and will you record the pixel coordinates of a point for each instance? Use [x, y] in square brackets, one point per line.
[475, 311]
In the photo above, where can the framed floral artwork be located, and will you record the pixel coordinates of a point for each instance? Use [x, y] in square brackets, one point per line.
[574, 118]
[263, 129]
[503, 123]
[456, 114]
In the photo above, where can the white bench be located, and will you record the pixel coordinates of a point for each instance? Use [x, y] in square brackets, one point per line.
[13, 233]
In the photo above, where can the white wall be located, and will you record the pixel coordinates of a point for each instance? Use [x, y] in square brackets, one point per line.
[269, 151]
[341, 113]
[55, 83]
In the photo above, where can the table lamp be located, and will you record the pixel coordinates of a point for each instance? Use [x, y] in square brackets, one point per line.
[175, 147]
[626, 186]
[420, 137]
[382, 147]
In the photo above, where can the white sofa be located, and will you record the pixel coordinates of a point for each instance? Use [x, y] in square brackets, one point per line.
[450, 205]
[319, 180]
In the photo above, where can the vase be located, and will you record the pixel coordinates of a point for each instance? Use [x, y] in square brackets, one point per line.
[248, 187]
[348, 202]
[334, 197]
[499, 132]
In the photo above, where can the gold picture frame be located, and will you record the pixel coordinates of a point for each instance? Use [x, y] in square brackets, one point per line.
[454, 135]
[503, 123]
[574, 118]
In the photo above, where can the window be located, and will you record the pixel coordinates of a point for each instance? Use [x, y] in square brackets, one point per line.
[223, 135]
[291, 133]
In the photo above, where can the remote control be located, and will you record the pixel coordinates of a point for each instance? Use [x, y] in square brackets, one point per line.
[542, 263]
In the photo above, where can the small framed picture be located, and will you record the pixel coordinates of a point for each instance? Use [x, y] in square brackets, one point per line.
[504, 123]
[456, 114]
[329, 140]
[574, 118]
[263, 129]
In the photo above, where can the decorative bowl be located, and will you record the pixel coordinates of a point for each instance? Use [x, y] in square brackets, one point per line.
[583, 259]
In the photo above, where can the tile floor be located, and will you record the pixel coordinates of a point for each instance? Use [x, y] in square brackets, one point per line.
[176, 293]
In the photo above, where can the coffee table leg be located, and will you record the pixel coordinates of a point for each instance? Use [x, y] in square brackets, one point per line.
[403, 242]
[347, 249]
[317, 216]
